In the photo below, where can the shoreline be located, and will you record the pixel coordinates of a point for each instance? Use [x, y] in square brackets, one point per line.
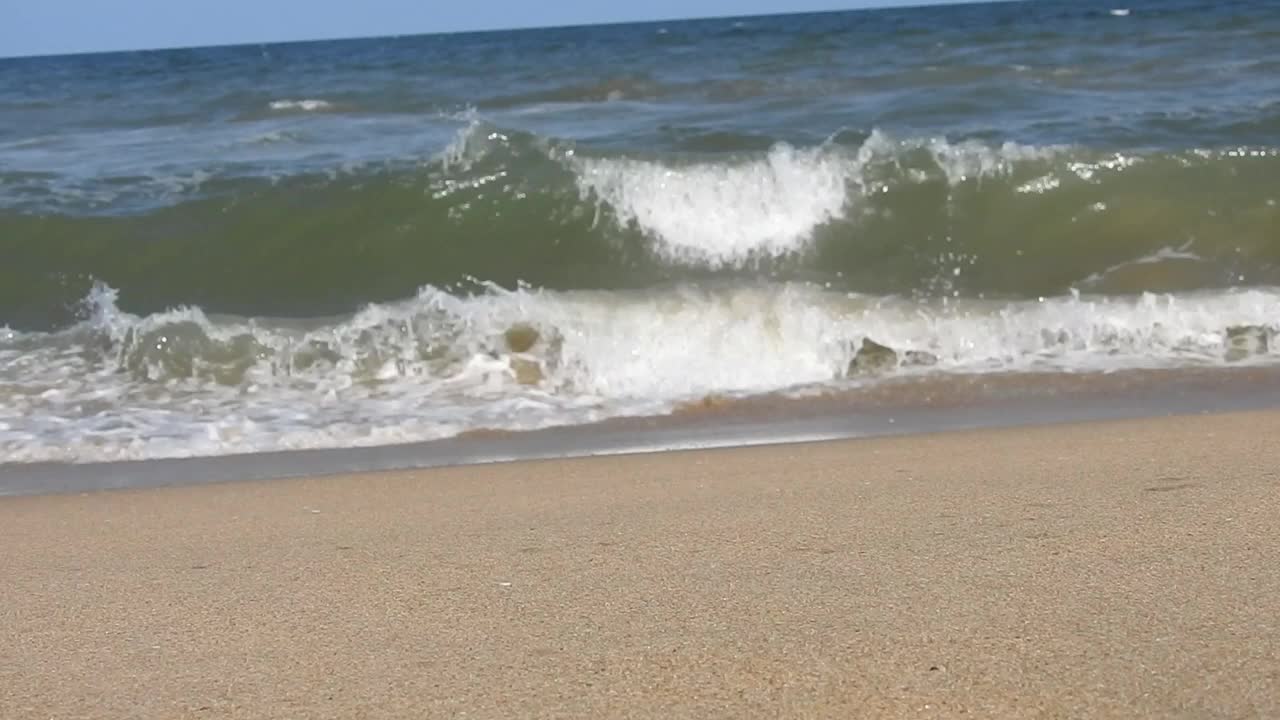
[1123, 568]
[895, 407]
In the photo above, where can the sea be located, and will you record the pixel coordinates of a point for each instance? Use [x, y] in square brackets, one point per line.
[386, 241]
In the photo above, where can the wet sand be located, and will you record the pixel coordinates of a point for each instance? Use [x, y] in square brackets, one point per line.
[1118, 569]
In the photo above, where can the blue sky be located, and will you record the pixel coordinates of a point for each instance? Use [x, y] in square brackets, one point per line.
[43, 27]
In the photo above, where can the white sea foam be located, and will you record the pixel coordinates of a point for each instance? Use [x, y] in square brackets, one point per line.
[306, 105]
[727, 214]
[722, 214]
[1164, 254]
[181, 383]
[968, 160]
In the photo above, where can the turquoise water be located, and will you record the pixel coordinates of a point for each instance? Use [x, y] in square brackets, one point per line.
[329, 244]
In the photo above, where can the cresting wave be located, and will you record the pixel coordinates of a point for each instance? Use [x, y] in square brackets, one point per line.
[723, 214]
[862, 212]
[185, 382]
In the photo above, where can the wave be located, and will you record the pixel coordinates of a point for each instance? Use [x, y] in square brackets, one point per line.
[722, 214]
[861, 212]
[305, 105]
[188, 382]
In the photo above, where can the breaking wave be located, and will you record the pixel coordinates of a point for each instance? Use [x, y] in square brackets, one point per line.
[188, 382]
[865, 213]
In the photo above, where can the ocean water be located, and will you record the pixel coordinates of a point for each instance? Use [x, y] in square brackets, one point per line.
[353, 243]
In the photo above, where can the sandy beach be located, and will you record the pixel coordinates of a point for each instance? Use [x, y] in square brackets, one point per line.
[1120, 569]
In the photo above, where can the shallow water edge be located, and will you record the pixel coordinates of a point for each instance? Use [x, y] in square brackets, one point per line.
[912, 406]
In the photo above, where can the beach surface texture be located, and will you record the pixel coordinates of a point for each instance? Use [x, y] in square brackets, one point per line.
[1123, 569]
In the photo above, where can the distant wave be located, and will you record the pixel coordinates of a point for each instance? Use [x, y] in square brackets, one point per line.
[302, 105]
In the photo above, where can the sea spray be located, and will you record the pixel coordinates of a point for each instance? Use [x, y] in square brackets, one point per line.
[724, 214]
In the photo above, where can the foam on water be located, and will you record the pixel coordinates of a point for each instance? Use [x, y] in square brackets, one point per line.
[1163, 255]
[305, 105]
[182, 383]
[970, 159]
[721, 214]
[728, 214]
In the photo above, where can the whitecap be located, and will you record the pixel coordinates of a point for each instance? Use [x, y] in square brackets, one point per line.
[723, 213]
[307, 105]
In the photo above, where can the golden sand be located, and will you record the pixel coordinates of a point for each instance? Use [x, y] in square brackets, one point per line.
[1102, 570]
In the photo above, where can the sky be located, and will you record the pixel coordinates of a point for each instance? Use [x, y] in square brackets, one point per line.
[51, 27]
